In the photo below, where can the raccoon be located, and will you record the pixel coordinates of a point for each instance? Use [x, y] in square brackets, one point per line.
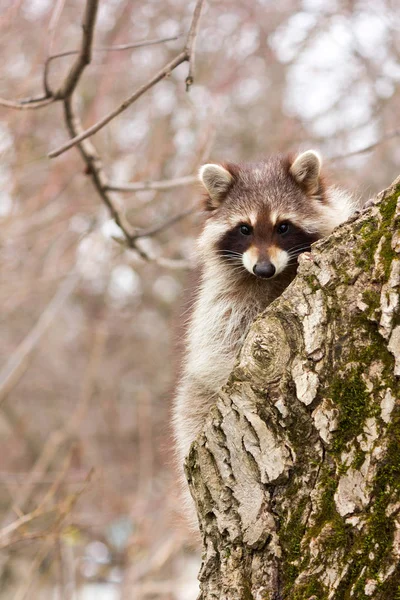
[259, 218]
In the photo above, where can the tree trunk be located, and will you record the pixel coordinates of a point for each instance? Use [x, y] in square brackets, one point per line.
[296, 475]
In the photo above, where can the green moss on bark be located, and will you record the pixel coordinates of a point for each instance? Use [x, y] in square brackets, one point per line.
[372, 236]
[349, 393]
[312, 589]
[291, 536]
[355, 371]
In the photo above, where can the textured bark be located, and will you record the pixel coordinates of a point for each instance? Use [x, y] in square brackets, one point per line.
[296, 475]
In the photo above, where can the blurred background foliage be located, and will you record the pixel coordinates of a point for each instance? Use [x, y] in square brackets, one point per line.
[94, 390]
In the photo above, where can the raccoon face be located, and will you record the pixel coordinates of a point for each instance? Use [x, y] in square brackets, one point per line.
[262, 216]
[265, 248]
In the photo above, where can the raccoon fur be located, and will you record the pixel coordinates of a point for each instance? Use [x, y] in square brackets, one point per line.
[260, 217]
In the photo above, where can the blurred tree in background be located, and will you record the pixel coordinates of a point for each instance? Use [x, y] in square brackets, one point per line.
[88, 494]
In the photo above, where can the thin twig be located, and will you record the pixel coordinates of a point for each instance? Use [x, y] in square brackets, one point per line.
[85, 54]
[165, 184]
[117, 48]
[164, 72]
[55, 17]
[27, 537]
[26, 103]
[96, 172]
[167, 223]
[99, 179]
[190, 47]
[20, 522]
[88, 152]
[24, 519]
[384, 138]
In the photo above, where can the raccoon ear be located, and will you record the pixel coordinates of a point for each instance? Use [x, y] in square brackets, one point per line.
[306, 169]
[217, 181]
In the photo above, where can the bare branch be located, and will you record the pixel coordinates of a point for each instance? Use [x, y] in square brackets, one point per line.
[55, 17]
[186, 55]
[85, 53]
[117, 48]
[27, 103]
[96, 172]
[167, 223]
[79, 136]
[191, 42]
[140, 44]
[83, 60]
[384, 138]
[164, 72]
[165, 184]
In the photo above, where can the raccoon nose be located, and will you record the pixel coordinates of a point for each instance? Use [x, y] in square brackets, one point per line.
[264, 269]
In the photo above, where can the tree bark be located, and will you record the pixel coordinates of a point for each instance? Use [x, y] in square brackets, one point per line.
[296, 475]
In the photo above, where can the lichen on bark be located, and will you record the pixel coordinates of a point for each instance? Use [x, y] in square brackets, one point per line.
[296, 475]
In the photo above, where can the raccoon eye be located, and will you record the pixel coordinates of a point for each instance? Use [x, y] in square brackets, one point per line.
[283, 228]
[245, 229]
